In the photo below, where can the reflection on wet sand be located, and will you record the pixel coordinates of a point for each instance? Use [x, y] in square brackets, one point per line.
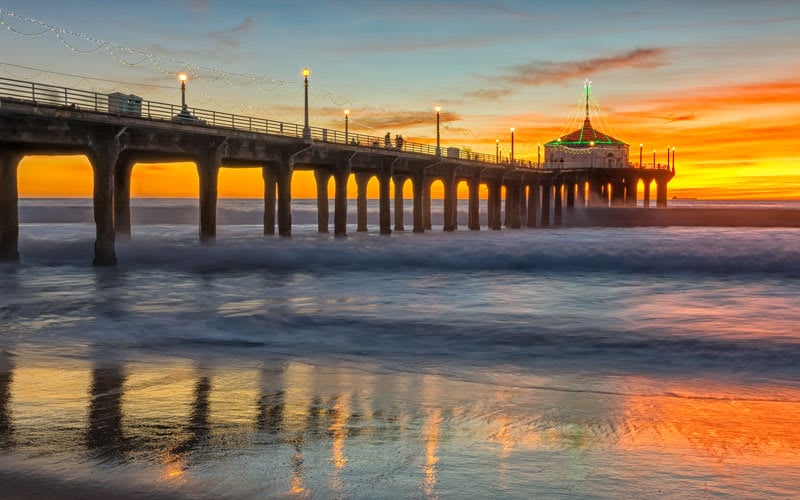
[105, 435]
[305, 429]
[431, 435]
[6, 429]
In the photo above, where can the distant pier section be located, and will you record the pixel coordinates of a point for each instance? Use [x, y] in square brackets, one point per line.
[117, 131]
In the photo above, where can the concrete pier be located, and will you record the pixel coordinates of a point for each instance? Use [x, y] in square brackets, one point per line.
[115, 143]
[558, 208]
[533, 206]
[340, 203]
[398, 181]
[417, 186]
[474, 222]
[208, 173]
[9, 203]
[384, 200]
[270, 185]
[361, 201]
[103, 160]
[450, 200]
[122, 197]
[284, 179]
[322, 177]
[547, 190]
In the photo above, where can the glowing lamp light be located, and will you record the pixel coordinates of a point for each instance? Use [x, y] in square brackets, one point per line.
[591, 143]
[306, 72]
[512, 129]
[438, 108]
[182, 77]
[346, 112]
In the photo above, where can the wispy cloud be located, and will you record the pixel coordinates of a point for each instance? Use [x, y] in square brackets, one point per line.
[537, 73]
[197, 5]
[227, 37]
[403, 119]
[489, 94]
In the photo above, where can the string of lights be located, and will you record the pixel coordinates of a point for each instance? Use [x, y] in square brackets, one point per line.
[199, 73]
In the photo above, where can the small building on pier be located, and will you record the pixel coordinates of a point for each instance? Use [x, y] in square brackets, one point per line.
[586, 147]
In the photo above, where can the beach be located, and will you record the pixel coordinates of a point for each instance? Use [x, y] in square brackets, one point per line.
[587, 362]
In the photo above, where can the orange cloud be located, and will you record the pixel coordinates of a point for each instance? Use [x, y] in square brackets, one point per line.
[542, 72]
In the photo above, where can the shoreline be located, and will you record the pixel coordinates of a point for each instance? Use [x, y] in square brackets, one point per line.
[580, 217]
[690, 217]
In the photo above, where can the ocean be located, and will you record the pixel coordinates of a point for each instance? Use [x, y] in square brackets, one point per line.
[534, 363]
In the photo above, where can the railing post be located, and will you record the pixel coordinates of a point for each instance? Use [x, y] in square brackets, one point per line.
[66, 97]
[95, 102]
[33, 91]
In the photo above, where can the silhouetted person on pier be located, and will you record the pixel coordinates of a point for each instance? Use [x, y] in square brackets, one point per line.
[398, 140]
[387, 140]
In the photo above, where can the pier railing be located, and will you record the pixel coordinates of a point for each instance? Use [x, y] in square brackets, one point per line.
[119, 104]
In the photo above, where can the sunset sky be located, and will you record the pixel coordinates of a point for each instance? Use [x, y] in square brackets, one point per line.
[717, 79]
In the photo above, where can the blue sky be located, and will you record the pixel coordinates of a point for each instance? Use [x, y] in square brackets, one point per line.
[490, 65]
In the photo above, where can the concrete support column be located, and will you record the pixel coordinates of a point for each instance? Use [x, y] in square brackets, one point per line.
[547, 190]
[512, 205]
[398, 180]
[122, 197]
[9, 206]
[417, 183]
[284, 178]
[361, 201]
[497, 223]
[507, 212]
[208, 171]
[341, 177]
[618, 194]
[533, 205]
[322, 177]
[426, 203]
[661, 194]
[523, 204]
[268, 174]
[570, 196]
[646, 194]
[630, 191]
[580, 200]
[385, 204]
[455, 204]
[490, 205]
[103, 161]
[558, 211]
[596, 194]
[474, 186]
[450, 200]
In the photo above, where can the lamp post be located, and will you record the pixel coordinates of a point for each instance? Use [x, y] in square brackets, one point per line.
[438, 148]
[346, 126]
[512, 145]
[673, 158]
[306, 131]
[654, 158]
[640, 155]
[667, 157]
[538, 155]
[182, 77]
[497, 150]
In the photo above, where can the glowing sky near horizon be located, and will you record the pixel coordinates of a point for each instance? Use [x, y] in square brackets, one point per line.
[717, 79]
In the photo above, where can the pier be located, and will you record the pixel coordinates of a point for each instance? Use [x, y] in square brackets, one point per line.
[39, 119]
